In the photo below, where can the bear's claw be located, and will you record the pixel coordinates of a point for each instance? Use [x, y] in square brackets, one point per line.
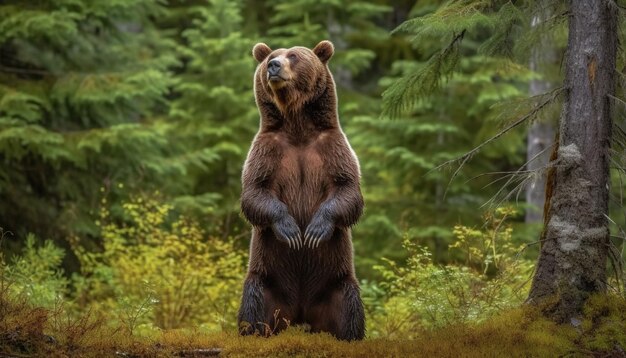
[320, 229]
[287, 231]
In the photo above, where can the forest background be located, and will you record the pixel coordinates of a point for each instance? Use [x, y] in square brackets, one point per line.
[124, 125]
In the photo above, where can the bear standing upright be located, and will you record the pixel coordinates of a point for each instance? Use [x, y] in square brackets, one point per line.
[301, 193]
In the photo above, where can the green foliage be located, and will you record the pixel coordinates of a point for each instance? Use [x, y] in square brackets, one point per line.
[422, 294]
[450, 21]
[451, 17]
[501, 28]
[403, 94]
[162, 271]
[36, 273]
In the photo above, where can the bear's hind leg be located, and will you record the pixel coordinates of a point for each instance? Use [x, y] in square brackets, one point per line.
[340, 313]
[351, 314]
[252, 310]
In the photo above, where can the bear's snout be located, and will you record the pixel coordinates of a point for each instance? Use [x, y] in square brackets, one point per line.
[273, 67]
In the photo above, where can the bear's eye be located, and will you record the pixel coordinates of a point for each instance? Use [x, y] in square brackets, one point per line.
[292, 56]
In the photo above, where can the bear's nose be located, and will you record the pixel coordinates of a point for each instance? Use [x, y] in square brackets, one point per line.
[273, 67]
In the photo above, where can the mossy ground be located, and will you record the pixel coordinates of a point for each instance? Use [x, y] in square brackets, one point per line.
[516, 333]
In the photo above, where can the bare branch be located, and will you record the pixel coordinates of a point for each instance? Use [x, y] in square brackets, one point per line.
[465, 157]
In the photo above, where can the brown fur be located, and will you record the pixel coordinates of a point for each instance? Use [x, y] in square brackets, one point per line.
[301, 193]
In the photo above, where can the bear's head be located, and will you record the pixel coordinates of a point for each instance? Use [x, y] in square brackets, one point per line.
[290, 78]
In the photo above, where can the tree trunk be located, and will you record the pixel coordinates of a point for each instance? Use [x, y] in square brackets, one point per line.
[573, 257]
[541, 132]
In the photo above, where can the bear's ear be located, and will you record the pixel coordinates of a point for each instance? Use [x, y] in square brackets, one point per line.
[324, 50]
[261, 51]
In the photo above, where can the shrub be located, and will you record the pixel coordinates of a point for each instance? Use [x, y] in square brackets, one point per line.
[162, 271]
[422, 294]
[36, 274]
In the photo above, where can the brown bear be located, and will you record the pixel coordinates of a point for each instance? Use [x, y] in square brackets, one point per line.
[301, 193]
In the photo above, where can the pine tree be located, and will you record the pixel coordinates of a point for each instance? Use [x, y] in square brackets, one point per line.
[80, 83]
[212, 118]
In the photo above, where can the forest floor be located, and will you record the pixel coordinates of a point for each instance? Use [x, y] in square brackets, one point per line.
[522, 332]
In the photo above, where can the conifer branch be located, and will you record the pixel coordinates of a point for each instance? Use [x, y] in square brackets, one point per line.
[400, 96]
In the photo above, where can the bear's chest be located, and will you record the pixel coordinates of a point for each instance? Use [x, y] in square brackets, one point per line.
[301, 167]
[302, 181]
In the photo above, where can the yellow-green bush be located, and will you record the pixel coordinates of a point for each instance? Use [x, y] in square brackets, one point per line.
[161, 271]
[491, 249]
[422, 294]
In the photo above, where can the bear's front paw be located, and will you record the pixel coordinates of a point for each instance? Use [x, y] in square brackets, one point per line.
[320, 229]
[287, 231]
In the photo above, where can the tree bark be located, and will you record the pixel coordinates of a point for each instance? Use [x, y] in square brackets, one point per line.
[573, 257]
[541, 132]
